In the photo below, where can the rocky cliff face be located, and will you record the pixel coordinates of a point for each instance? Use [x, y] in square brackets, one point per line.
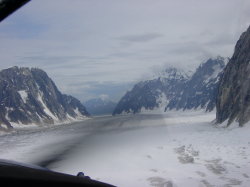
[233, 103]
[152, 94]
[201, 89]
[30, 96]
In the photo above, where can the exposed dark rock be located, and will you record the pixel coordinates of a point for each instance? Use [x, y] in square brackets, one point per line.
[30, 96]
[176, 90]
[152, 93]
[202, 88]
[233, 103]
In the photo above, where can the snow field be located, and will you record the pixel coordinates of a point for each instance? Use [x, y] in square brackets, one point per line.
[171, 149]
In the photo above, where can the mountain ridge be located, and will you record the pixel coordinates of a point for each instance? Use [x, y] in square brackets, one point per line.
[28, 95]
[201, 89]
[176, 90]
[151, 94]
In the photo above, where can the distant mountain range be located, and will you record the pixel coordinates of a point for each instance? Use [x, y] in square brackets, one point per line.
[29, 96]
[100, 106]
[175, 89]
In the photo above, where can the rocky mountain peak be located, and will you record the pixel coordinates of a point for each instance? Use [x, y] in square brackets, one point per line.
[173, 73]
[176, 89]
[209, 69]
[28, 95]
[152, 94]
[201, 89]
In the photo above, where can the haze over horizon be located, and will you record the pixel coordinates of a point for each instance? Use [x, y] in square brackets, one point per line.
[94, 48]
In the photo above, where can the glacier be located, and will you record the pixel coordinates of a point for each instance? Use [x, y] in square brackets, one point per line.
[172, 149]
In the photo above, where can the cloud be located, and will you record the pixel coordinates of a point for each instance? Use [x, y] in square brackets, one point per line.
[140, 38]
[92, 89]
[96, 47]
[104, 96]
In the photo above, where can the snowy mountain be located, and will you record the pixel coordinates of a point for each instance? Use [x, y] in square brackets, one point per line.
[30, 96]
[152, 94]
[100, 106]
[176, 89]
[201, 90]
[233, 102]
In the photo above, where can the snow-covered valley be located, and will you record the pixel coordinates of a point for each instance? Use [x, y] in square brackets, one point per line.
[170, 149]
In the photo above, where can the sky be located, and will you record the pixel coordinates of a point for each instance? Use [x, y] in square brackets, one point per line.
[92, 48]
